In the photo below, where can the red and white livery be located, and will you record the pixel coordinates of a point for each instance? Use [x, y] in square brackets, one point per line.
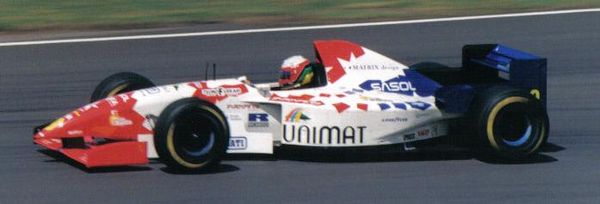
[358, 98]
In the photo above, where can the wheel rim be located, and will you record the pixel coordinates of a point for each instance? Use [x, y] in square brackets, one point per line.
[195, 135]
[521, 140]
[117, 90]
[514, 125]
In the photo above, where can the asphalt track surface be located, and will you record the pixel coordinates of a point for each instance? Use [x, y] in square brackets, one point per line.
[41, 82]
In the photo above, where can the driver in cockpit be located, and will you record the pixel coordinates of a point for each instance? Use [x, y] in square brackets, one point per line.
[296, 72]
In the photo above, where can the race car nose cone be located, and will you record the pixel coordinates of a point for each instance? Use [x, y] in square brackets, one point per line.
[60, 128]
[39, 128]
[47, 134]
[38, 135]
[46, 130]
[47, 138]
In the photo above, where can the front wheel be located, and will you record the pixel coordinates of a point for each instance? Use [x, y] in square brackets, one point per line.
[120, 83]
[509, 122]
[191, 135]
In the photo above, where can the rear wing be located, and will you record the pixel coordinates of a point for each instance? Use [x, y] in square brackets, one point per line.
[499, 63]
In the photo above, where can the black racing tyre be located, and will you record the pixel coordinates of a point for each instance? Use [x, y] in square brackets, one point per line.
[191, 135]
[120, 83]
[508, 122]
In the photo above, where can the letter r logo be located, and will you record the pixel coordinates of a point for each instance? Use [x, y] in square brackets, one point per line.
[258, 117]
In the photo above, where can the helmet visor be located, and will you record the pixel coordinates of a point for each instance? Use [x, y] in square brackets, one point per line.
[285, 74]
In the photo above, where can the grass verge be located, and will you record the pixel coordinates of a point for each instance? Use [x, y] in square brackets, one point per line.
[24, 15]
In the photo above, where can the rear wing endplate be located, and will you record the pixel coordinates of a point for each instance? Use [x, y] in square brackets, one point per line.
[517, 68]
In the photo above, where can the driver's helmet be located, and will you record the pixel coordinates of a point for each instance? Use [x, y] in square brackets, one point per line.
[295, 71]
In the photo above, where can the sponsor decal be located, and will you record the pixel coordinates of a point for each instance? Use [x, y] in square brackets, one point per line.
[536, 93]
[423, 132]
[238, 143]
[371, 67]
[258, 120]
[425, 114]
[222, 91]
[74, 132]
[399, 85]
[156, 90]
[409, 137]
[242, 106]
[296, 115]
[357, 90]
[116, 120]
[332, 135]
[394, 120]
[428, 132]
[233, 116]
[370, 98]
[216, 94]
[410, 84]
[152, 90]
[293, 100]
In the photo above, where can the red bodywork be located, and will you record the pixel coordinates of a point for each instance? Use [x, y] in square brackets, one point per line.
[105, 132]
[113, 119]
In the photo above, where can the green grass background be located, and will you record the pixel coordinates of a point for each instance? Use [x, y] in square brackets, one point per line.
[20, 15]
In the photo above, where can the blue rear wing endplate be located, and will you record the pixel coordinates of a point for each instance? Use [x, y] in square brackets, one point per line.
[508, 65]
[501, 57]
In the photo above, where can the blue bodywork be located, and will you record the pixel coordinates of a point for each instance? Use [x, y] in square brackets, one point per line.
[494, 64]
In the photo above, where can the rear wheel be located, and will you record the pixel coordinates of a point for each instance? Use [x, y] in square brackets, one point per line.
[120, 83]
[191, 135]
[509, 122]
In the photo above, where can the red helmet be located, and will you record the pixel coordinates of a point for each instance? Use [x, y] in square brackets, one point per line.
[291, 69]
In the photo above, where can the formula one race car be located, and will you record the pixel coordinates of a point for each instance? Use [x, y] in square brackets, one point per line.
[357, 98]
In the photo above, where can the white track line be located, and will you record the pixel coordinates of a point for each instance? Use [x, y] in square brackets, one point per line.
[230, 32]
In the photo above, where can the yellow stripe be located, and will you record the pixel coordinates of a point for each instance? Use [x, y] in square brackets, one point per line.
[117, 89]
[54, 124]
[494, 112]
